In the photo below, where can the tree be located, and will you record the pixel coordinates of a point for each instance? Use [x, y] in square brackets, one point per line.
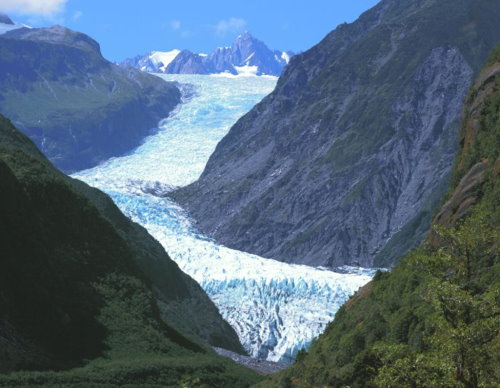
[464, 289]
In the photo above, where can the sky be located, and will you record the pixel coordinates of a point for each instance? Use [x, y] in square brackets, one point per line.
[125, 28]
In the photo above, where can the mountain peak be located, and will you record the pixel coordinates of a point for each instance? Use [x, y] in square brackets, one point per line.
[245, 52]
[245, 35]
[58, 35]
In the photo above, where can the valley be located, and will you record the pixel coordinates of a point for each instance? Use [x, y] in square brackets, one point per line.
[227, 215]
[275, 308]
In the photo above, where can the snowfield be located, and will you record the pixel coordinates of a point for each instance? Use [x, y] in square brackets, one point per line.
[163, 58]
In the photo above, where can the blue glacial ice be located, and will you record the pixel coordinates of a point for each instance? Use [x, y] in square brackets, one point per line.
[276, 308]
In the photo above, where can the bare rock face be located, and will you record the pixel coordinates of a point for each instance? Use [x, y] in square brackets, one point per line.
[345, 161]
[187, 63]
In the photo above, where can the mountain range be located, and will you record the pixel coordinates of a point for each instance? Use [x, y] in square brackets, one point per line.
[247, 55]
[77, 107]
[345, 162]
[351, 160]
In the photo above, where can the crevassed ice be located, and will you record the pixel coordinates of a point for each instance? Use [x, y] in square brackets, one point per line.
[275, 308]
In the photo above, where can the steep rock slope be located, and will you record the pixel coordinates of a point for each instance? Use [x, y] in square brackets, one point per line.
[246, 51]
[246, 54]
[80, 281]
[77, 107]
[345, 161]
[434, 320]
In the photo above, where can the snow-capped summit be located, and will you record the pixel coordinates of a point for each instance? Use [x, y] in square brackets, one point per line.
[153, 62]
[245, 52]
[246, 56]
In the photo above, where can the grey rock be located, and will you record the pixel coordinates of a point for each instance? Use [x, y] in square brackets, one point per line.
[245, 51]
[140, 62]
[187, 62]
[258, 365]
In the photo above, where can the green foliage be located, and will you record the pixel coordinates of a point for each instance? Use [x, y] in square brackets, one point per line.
[486, 144]
[463, 348]
[182, 302]
[494, 56]
[193, 371]
[403, 368]
[434, 320]
[77, 306]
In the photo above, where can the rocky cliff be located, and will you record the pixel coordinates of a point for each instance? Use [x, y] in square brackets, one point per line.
[345, 161]
[77, 107]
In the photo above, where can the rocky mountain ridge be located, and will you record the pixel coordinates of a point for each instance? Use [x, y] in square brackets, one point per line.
[247, 55]
[346, 160]
[76, 106]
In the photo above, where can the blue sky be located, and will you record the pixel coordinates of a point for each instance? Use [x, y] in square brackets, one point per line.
[125, 28]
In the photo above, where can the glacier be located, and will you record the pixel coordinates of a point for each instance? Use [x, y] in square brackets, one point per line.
[276, 308]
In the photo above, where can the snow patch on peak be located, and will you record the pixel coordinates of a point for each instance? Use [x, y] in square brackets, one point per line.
[285, 57]
[247, 61]
[163, 58]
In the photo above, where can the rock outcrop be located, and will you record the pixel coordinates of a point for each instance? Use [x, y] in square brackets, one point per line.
[468, 190]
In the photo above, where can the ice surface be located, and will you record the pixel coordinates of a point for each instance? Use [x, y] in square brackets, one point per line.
[247, 70]
[275, 308]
